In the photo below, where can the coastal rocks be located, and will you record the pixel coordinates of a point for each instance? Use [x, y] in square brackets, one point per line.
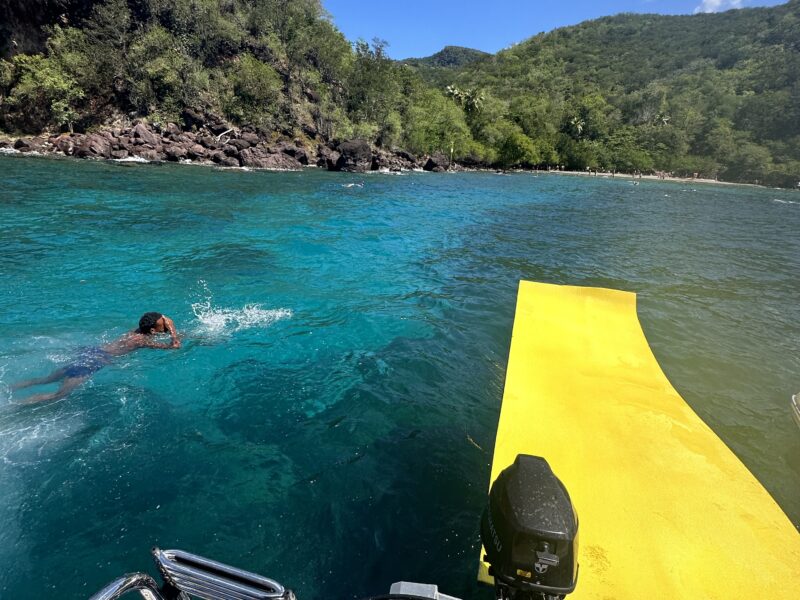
[240, 144]
[142, 133]
[196, 152]
[94, 145]
[296, 151]
[393, 161]
[213, 141]
[354, 156]
[327, 158]
[193, 118]
[146, 153]
[268, 158]
[250, 138]
[437, 163]
[175, 152]
[29, 145]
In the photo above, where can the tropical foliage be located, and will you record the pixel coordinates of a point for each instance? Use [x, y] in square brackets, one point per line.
[717, 94]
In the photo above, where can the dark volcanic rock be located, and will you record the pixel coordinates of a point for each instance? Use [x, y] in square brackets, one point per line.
[406, 156]
[310, 131]
[143, 133]
[93, 145]
[218, 127]
[259, 158]
[175, 152]
[24, 145]
[196, 151]
[437, 163]
[230, 150]
[250, 137]
[193, 118]
[146, 153]
[119, 154]
[65, 145]
[393, 161]
[240, 144]
[210, 142]
[229, 161]
[355, 156]
[297, 152]
[327, 158]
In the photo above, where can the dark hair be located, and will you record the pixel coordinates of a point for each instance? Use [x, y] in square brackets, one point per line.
[148, 321]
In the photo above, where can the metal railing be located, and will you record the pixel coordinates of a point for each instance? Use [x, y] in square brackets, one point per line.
[212, 580]
[187, 574]
[140, 582]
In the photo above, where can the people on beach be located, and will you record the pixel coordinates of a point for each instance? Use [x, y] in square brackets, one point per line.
[92, 359]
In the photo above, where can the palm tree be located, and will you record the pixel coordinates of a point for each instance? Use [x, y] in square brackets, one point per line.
[577, 125]
[473, 100]
[456, 94]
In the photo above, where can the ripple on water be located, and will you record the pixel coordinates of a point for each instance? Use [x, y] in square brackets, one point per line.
[339, 385]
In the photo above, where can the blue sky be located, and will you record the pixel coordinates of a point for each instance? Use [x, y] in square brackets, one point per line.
[416, 28]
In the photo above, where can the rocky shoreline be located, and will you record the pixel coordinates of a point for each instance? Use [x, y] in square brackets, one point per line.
[209, 140]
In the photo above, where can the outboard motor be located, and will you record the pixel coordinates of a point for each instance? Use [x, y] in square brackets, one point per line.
[530, 532]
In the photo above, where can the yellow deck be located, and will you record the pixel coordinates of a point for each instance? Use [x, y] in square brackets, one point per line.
[665, 509]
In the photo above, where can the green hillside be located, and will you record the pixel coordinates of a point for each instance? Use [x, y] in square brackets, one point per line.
[448, 57]
[716, 94]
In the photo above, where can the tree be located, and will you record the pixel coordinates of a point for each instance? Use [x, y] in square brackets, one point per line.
[434, 124]
[517, 149]
[46, 92]
[374, 89]
[256, 94]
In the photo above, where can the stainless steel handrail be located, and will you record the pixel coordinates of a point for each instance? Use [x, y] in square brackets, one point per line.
[139, 582]
[209, 579]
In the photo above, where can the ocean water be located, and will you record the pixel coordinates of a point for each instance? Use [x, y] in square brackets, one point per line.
[330, 419]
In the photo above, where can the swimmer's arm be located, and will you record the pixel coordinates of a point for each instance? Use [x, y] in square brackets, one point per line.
[173, 333]
[148, 343]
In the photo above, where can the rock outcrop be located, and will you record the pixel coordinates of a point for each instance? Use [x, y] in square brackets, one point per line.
[354, 156]
[206, 138]
[437, 163]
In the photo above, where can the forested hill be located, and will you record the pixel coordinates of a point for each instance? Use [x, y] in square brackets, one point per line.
[713, 94]
[709, 93]
[449, 56]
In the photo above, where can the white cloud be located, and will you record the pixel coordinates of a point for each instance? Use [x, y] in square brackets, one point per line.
[710, 6]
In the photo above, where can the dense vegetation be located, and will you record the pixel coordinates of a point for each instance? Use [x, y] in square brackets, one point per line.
[448, 57]
[716, 94]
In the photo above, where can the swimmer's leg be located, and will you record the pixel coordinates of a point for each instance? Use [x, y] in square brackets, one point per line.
[69, 384]
[54, 376]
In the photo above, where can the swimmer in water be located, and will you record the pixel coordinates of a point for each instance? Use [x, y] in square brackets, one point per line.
[95, 358]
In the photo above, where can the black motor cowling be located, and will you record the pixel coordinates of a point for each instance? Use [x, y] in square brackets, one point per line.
[530, 531]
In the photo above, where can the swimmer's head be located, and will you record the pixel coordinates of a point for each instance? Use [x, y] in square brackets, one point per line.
[148, 322]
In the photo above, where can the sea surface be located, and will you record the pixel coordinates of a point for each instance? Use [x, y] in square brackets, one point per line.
[330, 419]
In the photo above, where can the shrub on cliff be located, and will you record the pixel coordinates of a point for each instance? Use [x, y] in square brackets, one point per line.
[43, 94]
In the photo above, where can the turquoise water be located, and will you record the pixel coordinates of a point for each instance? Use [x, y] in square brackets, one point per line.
[330, 419]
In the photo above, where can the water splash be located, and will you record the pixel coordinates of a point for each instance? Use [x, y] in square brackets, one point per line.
[214, 320]
[131, 159]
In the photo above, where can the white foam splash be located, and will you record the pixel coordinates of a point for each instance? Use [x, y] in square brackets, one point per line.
[215, 320]
[9, 151]
[131, 159]
[785, 201]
